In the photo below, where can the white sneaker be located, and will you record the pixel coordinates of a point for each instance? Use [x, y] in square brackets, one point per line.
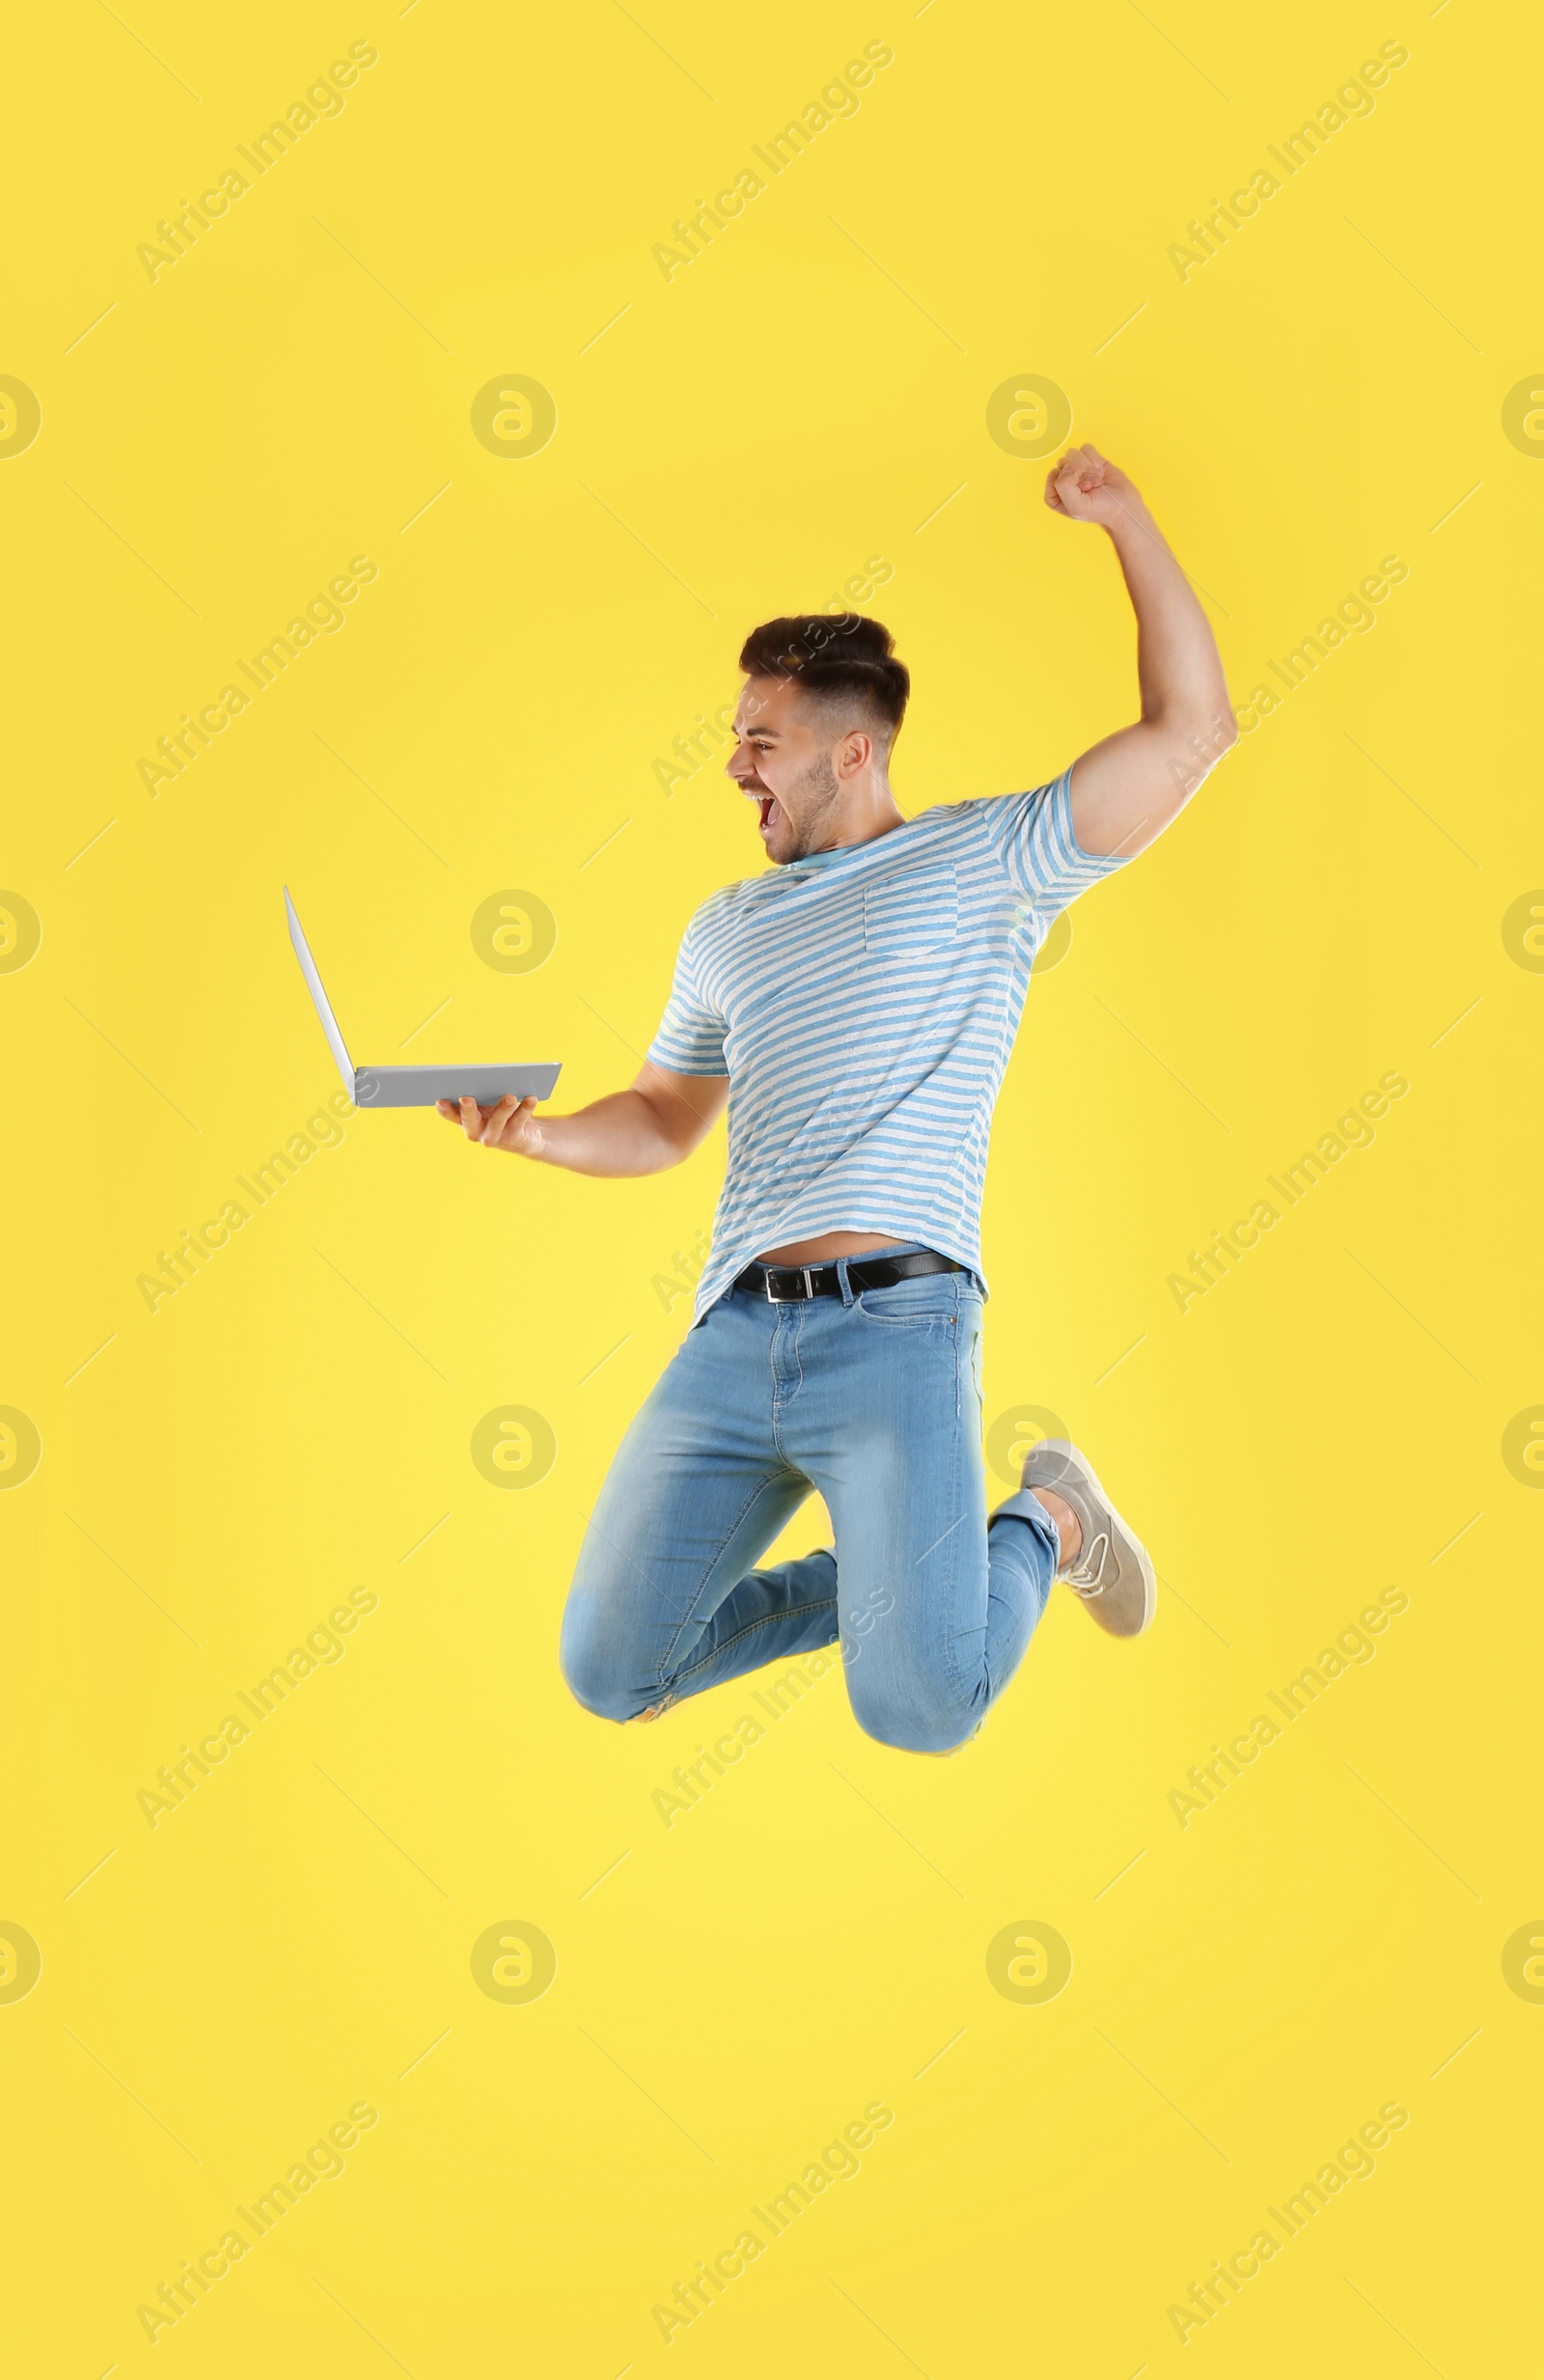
[1113, 1572]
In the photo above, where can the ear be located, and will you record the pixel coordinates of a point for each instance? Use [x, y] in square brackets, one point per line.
[854, 752]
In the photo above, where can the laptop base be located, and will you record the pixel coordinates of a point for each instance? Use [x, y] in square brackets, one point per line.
[423, 1086]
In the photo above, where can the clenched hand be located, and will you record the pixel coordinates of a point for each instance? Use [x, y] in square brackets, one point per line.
[1083, 486]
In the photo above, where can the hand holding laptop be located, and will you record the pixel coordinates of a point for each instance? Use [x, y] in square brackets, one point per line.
[510, 1124]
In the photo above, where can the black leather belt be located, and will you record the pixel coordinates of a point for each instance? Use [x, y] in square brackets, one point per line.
[783, 1285]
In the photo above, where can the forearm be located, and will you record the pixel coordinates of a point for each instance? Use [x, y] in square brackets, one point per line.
[1179, 671]
[620, 1136]
[656, 1123]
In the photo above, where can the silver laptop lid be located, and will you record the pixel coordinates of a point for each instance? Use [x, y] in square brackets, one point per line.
[329, 1022]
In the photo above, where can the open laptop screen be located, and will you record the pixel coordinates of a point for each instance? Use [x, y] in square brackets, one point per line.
[329, 1022]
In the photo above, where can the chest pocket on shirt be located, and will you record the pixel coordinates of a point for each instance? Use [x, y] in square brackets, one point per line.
[908, 914]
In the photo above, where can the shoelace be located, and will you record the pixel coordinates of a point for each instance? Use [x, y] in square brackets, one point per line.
[1086, 1576]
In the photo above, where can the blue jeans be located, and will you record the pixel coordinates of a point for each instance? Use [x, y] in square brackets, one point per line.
[873, 1399]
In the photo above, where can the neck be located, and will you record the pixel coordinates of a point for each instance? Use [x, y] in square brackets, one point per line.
[864, 814]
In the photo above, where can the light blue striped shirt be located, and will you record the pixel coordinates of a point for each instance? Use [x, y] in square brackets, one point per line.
[863, 1003]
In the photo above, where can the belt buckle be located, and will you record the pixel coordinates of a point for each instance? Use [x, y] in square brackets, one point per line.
[774, 1300]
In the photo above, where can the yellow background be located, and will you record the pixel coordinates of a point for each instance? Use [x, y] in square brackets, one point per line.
[733, 1989]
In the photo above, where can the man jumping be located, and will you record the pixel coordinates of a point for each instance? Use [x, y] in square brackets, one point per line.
[855, 1006]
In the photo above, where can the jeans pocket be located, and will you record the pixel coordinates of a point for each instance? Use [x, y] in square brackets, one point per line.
[927, 1301]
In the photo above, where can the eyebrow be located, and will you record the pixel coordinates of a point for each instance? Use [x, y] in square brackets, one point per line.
[754, 730]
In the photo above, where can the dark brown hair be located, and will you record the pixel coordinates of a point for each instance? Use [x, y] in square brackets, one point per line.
[838, 659]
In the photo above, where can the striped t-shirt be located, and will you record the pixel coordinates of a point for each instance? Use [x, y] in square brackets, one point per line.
[863, 1003]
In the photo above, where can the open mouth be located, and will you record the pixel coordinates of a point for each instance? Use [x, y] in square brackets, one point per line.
[768, 804]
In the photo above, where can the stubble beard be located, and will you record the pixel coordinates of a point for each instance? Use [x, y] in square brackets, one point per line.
[817, 793]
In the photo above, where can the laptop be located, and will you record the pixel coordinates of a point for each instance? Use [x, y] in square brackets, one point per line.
[412, 1086]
